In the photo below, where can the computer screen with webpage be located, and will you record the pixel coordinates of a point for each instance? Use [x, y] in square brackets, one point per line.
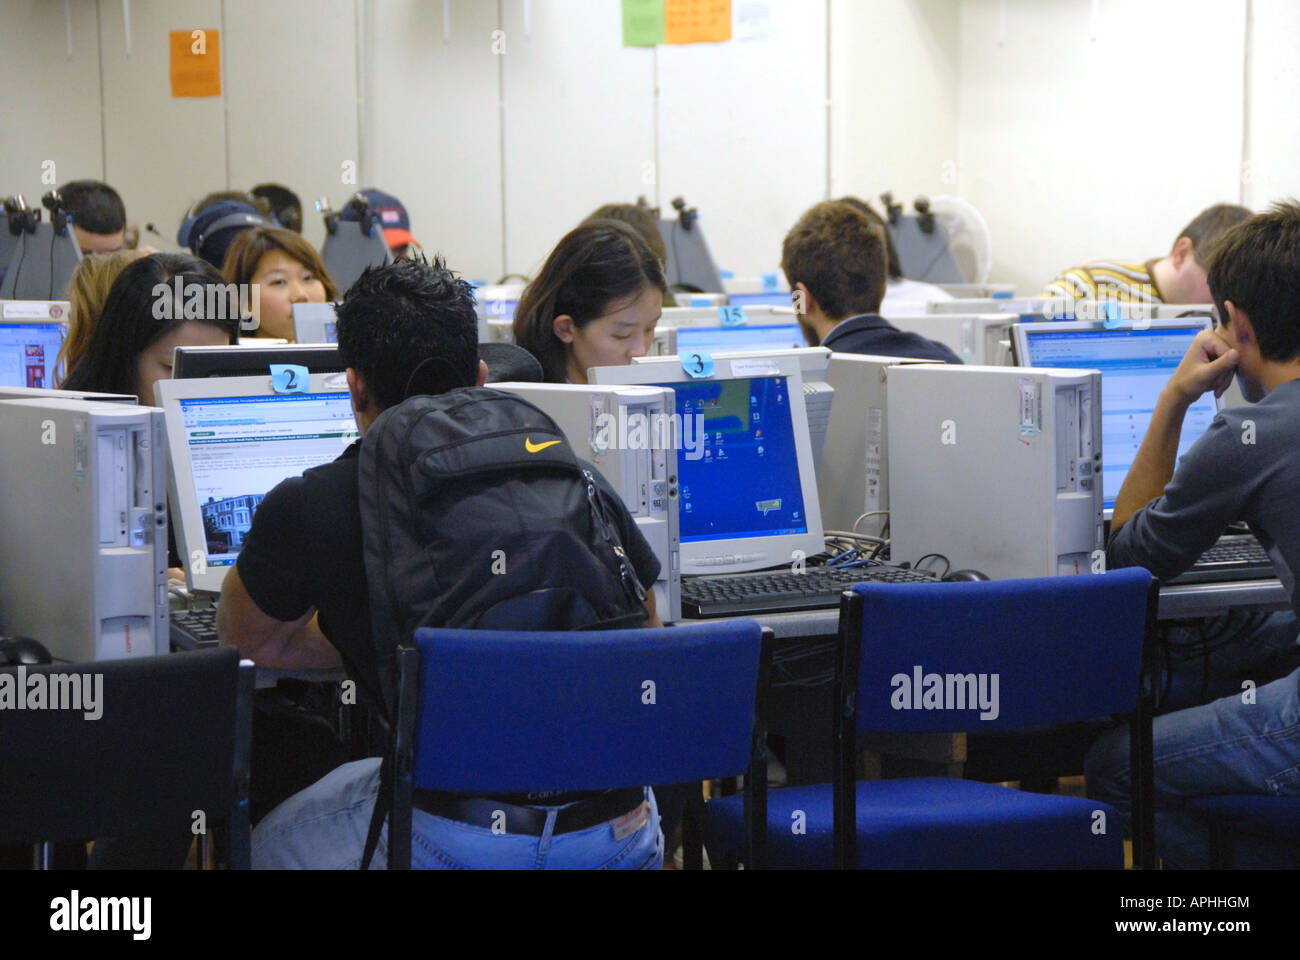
[744, 337]
[237, 448]
[28, 353]
[1135, 364]
[768, 299]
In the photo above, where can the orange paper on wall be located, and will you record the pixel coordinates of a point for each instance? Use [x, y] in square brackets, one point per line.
[195, 63]
[697, 21]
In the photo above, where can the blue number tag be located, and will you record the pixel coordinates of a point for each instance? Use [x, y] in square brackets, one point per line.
[727, 274]
[732, 316]
[289, 378]
[771, 284]
[1111, 317]
[698, 364]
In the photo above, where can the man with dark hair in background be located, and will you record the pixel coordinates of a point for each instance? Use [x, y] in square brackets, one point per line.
[836, 261]
[285, 207]
[297, 597]
[1178, 277]
[1246, 466]
[98, 215]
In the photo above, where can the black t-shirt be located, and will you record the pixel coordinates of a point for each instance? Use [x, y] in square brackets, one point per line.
[305, 550]
[872, 334]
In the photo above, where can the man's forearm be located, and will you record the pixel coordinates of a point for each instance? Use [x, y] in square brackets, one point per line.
[1154, 464]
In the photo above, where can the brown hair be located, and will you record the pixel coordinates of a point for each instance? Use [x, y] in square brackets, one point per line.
[1256, 265]
[592, 271]
[1209, 227]
[840, 256]
[247, 250]
[639, 219]
[87, 293]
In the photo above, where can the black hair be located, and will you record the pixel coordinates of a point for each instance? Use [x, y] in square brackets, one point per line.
[286, 208]
[592, 271]
[1256, 265]
[409, 327]
[95, 206]
[131, 320]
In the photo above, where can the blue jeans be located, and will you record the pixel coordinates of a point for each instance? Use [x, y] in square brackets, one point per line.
[324, 828]
[1228, 746]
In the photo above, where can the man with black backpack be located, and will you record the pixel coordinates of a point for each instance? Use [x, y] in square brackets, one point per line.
[299, 596]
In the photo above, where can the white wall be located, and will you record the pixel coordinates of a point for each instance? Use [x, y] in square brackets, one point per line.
[1273, 141]
[894, 93]
[1075, 149]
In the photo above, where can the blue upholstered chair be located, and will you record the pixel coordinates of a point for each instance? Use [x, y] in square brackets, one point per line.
[946, 657]
[488, 712]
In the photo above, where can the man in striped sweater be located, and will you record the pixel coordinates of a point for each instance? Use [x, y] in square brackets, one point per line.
[1176, 278]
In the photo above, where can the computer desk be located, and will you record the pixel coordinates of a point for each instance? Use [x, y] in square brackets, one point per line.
[804, 658]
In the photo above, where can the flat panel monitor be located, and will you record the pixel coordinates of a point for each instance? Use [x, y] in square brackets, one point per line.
[746, 481]
[231, 441]
[769, 299]
[315, 323]
[730, 339]
[254, 359]
[29, 351]
[1136, 362]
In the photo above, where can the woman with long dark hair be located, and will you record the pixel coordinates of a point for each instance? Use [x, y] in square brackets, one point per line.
[158, 303]
[595, 303]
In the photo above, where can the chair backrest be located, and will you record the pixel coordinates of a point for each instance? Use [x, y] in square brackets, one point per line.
[348, 252]
[505, 712]
[995, 655]
[40, 265]
[147, 740]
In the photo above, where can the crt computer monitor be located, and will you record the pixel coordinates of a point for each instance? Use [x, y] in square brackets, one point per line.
[746, 483]
[1136, 362]
[230, 441]
[29, 351]
[247, 360]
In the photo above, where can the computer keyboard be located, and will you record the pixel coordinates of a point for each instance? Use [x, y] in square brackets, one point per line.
[191, 629]
[1231, 558]
[743, 594]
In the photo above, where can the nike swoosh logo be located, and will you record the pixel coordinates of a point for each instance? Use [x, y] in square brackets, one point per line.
[537, 447]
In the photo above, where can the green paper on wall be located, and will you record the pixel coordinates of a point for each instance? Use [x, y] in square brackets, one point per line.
[643, 23]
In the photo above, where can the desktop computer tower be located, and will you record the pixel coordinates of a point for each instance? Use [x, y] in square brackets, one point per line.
[853, 470]
[996, 468]
[975, 338]
[617, 429]
[83, 527]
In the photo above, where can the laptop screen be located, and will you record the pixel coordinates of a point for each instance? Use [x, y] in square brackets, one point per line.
[28, 353]
[1135, 366]
[742, 481]
[241, 447]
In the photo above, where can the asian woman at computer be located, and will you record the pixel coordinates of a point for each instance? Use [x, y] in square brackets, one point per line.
[595, 303]
[287, 270]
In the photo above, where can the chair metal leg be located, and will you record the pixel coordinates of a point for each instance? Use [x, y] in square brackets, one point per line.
[693, 832]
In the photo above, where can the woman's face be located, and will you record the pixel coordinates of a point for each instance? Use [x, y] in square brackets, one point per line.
[612, 340]
[155, 361]
[283, 281]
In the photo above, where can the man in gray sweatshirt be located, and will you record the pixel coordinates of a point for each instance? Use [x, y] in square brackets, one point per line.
[1245, 467]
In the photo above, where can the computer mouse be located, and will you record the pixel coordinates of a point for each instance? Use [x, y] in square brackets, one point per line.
[22, 651]
[958, 576]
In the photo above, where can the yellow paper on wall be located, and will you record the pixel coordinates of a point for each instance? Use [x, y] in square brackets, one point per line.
[697, 21]
[195, 63]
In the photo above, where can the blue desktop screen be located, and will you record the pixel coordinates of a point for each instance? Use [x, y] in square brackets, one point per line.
[777, 299]
[1135, 365]
[745, 480]
[722, 339]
